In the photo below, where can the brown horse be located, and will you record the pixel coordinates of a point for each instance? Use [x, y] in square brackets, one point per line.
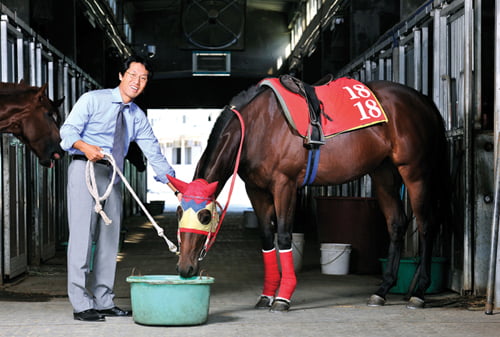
[33, 118]
[410, 148]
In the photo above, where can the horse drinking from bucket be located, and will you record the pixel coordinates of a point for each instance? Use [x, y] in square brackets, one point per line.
[27, 113]
[408, 147]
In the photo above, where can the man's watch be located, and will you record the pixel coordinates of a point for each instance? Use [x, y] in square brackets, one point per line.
[176, 193]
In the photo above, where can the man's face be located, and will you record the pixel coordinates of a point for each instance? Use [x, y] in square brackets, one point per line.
[133, 82]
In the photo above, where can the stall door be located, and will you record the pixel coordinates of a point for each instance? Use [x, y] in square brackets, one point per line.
[14, 207]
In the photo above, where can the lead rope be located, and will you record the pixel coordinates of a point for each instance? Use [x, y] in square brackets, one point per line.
[92, 187]
[211, 238]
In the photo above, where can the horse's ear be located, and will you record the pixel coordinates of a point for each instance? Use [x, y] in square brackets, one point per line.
[211, 188]
[42, 90]
[21, 82]
[59, 102]
[178, 184]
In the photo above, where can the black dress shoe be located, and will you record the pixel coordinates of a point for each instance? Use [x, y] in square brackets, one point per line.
[115, 311]
[90, 315]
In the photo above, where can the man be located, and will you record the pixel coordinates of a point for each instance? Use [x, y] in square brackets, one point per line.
[89, 131]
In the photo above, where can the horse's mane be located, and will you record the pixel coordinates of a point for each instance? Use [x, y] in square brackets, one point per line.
[237, 102]
[243, 98]
[9, 88]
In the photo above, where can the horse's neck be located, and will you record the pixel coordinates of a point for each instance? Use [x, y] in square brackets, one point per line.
[218, 165]
[212, 172]
[11, 105]
[217, 161]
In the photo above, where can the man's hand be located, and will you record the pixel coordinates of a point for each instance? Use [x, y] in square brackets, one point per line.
[178, 194]
[92, 152]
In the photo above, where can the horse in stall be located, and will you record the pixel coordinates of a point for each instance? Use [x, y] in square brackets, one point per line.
[27, 113]
[410, 148]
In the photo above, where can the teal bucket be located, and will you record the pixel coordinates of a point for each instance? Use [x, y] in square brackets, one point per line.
[170, 299]
[407, 268]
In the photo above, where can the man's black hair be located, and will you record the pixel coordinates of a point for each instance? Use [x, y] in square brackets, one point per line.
[138, 59]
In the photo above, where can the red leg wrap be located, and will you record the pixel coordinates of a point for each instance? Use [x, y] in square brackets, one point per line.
[288, 279]
[271, 273]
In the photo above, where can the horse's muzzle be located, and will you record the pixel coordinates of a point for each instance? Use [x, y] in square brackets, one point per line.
[187, 267]
[188, 271]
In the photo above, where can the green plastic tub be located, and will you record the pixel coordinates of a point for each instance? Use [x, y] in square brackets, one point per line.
[170, 299]
[407, 268]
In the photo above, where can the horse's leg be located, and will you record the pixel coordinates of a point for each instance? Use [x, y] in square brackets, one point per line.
[284, 203]
[387, 184]
[423, 205]
[264, 209]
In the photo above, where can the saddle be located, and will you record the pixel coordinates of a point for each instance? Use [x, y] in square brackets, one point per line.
[315, 136]
[323, 110]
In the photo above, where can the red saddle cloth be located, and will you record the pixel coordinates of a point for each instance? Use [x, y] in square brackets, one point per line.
[349, 103]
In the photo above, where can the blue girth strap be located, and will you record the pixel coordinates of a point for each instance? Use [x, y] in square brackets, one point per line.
[312, 167]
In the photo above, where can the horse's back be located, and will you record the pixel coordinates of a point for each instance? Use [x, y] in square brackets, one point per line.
[400, 99]
[415, 126]
[409, 138]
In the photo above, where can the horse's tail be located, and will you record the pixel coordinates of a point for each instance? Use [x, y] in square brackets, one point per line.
[442, 183]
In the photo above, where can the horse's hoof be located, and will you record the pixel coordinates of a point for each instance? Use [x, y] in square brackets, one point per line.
[264, 302]
[415, 303]
[280, 305]
[375, 301]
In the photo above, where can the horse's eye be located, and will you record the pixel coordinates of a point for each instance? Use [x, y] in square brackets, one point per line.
[204, 216]
[179, 212]
[54, 116]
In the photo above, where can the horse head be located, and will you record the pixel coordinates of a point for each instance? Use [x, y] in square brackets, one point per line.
[198, 220]
[34, 119]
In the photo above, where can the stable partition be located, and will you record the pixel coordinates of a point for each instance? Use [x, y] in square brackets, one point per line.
[33, 203]
[435, 51]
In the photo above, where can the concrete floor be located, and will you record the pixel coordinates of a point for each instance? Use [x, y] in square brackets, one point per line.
[323, 305]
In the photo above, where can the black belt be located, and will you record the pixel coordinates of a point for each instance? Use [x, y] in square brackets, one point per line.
[82, 157]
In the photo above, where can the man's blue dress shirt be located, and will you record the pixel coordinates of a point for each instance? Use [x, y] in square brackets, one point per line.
[93, 120]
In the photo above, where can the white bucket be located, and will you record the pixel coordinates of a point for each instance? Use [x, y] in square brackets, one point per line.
[250, 219]
[335, 258]
[297, 250]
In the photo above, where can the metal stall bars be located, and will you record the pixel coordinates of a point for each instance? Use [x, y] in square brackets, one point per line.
[43, 197]
[496, 132]
[490, 291]
[33, 219]
[14, 193]
[448, 81]
[402, 55]
[456, 89]
[493, 289]
[453, 54]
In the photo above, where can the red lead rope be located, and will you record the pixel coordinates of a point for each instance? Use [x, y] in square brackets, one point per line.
[211, 238]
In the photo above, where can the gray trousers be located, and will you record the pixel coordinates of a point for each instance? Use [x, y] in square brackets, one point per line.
[92, 290]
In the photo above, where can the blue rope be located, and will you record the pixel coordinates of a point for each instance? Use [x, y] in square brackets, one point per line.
[306, 177]
[312, 167]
